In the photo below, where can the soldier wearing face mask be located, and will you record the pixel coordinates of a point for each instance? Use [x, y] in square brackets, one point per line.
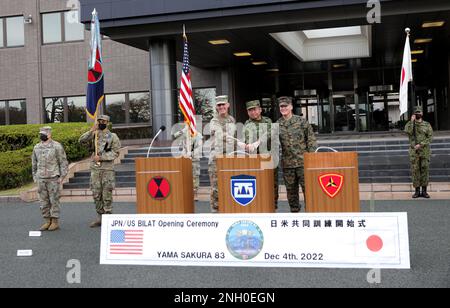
[420, 135]
[49, 166]
[102, 165]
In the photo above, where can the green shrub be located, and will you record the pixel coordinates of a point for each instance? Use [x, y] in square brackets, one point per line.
[138, 132]
[17, 142]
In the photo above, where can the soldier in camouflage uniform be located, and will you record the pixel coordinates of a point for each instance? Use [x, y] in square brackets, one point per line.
[257, 134]
[102, 166]
[223, 131]
[194, 151]
[296, 137]
[49, 166]
[420, 135]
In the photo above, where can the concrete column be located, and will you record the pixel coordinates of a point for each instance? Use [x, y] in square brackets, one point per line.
[163, 86]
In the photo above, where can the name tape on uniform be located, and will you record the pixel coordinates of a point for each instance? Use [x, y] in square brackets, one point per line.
[347, 240]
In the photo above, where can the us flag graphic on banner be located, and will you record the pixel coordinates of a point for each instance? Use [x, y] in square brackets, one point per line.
[126, 242]
[186, 103]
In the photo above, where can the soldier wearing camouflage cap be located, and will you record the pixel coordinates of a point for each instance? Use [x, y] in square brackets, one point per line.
[49, 167]
[420, 136]
[258, 136]
[223, 131]
[105, 147]
[296, 137]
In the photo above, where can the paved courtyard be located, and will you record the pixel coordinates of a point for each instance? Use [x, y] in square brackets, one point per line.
[428, 222]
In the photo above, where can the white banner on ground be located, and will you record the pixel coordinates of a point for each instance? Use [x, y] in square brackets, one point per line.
[349, 240]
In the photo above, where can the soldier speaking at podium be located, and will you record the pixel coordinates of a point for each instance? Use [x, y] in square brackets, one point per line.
[106, 145]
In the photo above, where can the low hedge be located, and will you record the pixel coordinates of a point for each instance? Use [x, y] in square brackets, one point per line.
[17, 142]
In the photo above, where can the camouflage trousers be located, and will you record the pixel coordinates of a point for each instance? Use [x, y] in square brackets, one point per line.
[275, 186]
[196, 174]
[420, 170]
[292, 178]
[49, 191]
[214, 196]
[102, 186]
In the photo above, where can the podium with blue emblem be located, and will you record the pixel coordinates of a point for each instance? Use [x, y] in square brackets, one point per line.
[245, 184]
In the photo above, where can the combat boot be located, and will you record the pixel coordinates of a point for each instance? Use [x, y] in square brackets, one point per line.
[97, 222]
[424, 192]
[417, 193]
[44, 227]
[54, 226]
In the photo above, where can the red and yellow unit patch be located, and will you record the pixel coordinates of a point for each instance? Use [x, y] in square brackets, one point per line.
[331, 183]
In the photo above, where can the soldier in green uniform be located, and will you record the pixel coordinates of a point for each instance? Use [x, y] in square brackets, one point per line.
[192, 148]
[102, 166]
[223, 131]
[257, 135]
[296, 137]
[49, 166]
[420, 135]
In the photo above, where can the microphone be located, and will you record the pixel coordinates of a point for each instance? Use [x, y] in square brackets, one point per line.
[161, 129]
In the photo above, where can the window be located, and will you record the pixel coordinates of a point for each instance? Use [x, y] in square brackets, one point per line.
[51, 27]
[2, 113]
[59, 27]
[54, 110]
[12, 32]
[203, 103]
[15, 35]
[115, 108]
[139, 107]
[65, 109]
[76, 108]
[73, 31]
[17, 112]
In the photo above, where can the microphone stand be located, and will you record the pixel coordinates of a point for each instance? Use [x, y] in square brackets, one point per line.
[162, 128]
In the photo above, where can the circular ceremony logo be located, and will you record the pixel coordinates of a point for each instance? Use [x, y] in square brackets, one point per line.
[244, 239]
[158, 188]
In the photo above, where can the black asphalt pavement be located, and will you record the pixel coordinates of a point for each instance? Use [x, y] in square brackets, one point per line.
[429, 231]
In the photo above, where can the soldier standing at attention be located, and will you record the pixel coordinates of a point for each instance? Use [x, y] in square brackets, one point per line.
[102, 166]
[296, 137]
[257, 134]
[192, 148]
[49, 165]
[223, 130]
[420, 135]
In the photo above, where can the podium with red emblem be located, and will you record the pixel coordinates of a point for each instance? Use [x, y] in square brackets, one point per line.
[332, 182]
[164, 185]
[245, 184]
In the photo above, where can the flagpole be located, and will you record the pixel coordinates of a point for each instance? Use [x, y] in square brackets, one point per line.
[94, 15]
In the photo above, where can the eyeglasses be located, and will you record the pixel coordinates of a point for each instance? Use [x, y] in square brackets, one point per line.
[284, 106]
[220, 105]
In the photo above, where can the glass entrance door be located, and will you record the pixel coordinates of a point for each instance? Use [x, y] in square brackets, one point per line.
[314, 110]
[344, 111]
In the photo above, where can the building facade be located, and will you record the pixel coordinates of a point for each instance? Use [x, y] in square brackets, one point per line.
[340, 60]
[44, 53]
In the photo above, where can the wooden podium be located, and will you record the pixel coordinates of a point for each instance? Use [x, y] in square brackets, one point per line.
[245, 176]
[164, 185]
[331, 182]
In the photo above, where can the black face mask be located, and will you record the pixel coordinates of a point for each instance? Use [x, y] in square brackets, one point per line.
[418, 116]
[101, 126]
[43, 137]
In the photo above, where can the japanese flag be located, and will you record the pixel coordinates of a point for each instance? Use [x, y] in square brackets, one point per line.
[405, 77]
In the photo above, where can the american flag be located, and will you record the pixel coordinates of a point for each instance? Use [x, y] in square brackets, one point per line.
[126, 242]
[186, 104]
